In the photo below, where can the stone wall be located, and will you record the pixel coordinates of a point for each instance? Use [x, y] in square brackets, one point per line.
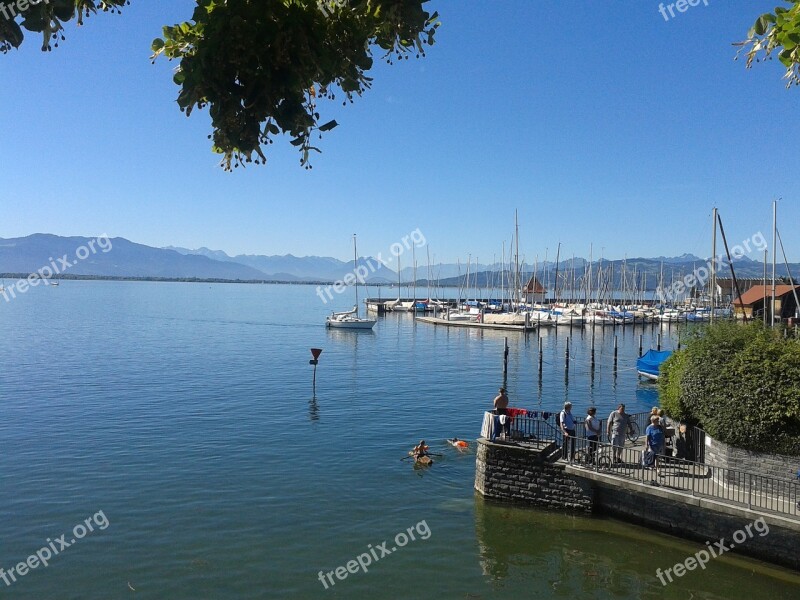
[719, 454]
[701, 520]
[526, 474]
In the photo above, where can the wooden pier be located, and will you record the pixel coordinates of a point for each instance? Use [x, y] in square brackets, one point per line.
[477, 325]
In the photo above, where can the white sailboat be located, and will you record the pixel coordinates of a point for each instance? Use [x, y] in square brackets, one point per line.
[350, 319]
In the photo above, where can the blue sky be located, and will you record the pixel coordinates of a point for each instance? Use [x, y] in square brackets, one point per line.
[599, 121]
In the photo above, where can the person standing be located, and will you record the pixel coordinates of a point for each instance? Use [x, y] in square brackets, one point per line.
[567, 422]
[592, 432]
[655, 442]
[501, 408]
[501, 402]
[615, 430]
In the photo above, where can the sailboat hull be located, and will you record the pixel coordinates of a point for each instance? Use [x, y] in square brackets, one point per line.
[350, 323]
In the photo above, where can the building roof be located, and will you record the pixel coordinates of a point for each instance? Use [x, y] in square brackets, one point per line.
[757, 293]
[534, 287]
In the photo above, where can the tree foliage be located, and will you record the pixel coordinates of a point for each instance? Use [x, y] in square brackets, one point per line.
[46, 17]
[777, 33]
[263, 67]
[741, 383]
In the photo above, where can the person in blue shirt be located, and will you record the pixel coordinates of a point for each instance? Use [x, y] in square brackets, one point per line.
[655, 441]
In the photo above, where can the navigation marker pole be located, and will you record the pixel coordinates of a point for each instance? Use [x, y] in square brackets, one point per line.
[315, 352]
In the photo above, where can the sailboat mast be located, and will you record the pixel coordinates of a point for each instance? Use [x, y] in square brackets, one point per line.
[428, 248]
[355, 269]
[516, 259]
[503, 278]
[774, 255]
[764, 307]
[572, 284]
[555, 280]
[789, 273]
[589, 281]
[414, 269]
[713, 289]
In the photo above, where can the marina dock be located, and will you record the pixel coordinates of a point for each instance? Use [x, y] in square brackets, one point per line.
[477, 325]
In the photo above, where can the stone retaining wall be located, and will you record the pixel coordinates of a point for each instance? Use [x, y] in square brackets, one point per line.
[720, 454]
[702, 521]
[524, 474]
[528, 475]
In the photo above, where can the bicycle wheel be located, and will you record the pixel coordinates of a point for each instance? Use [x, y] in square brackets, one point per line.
[603, 462]
[633, 431]
[581, 457]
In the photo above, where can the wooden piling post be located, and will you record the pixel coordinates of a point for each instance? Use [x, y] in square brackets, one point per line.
[659, 342]
[641, 341]
[616, 347]
[540, 360]
[566, 356]
[505, 358]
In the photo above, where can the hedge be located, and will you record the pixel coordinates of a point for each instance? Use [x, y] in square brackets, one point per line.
[741, 383]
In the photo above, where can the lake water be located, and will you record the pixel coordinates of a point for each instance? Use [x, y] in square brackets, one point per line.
[181, 417]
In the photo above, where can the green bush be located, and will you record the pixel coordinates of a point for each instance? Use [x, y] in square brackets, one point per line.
[669, 382]
[741, 383]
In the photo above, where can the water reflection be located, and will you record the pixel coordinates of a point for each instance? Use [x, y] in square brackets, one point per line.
[545, 554]
[313, 409]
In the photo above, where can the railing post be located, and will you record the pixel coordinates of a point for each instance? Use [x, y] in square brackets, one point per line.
[641, 466]
[749, 491]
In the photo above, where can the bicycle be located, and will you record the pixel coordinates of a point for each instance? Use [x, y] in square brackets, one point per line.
[600, 458]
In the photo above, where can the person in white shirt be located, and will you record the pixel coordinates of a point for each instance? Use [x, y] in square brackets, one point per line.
[592, 432]
[567, 423]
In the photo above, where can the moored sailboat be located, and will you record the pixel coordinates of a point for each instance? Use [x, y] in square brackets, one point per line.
[350, 319]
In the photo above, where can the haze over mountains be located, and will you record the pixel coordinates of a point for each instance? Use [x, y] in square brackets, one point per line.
[123, 258]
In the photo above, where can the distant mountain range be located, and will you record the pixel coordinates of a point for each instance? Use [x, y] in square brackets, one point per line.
[296, 268]
[121, 258]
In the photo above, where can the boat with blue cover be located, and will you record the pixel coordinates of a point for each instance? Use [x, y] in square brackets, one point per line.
[648, 365]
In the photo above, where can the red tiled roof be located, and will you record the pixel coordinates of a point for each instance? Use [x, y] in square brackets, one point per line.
[757, 293]
[534, 287]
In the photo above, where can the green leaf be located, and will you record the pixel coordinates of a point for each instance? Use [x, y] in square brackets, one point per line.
[760, 26]
[34, 22]
[12, 34]
[328, 126]
[64, 10]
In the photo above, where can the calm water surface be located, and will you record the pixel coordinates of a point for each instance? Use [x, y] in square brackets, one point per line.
[184, 413]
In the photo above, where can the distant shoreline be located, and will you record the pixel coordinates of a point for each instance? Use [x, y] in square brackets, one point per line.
[72, 277]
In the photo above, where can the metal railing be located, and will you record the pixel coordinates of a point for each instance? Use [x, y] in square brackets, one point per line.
[537, 428]
[731, 486]
[521, 429]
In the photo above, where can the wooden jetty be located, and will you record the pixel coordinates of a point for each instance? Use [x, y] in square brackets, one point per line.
[477, 325]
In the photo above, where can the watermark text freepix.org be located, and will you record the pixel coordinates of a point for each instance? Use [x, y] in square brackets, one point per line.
[53, 548]
[701, 558]
[700, 275]
[362, 561]
[11, 9]
[681, 6]
[414, 239]
[56, 267]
